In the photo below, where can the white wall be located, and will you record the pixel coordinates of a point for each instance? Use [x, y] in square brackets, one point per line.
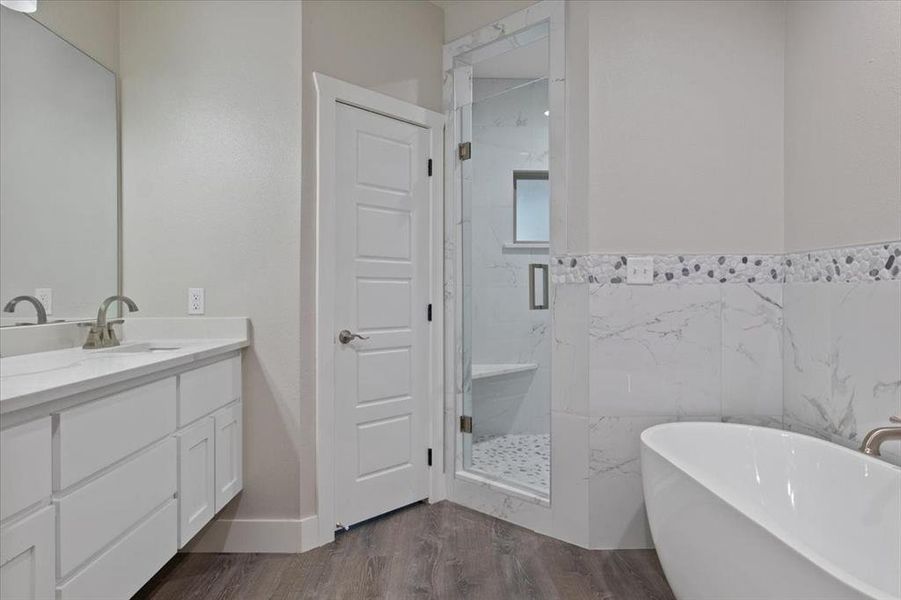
[842, 367]
[211, 96]
[464, 16]
[842, 125]
[672, 352]
[393, 47]
[685, 119]
[211, 109]
[92, 26]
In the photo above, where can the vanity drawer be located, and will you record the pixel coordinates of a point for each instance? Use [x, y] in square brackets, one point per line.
[25, 465]
[203, 390]
[97, 434]
[130, 562]
[94, 515]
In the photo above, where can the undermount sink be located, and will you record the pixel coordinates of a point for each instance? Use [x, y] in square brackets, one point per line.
[140, 348]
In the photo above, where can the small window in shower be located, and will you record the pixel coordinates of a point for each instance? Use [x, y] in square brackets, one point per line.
[531, 207]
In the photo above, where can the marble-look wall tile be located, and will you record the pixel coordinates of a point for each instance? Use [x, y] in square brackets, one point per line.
[570, 357]
[666, 353]
[752, 350]
[842, 365]
[617, 511]
[655, 350]
[570, 480]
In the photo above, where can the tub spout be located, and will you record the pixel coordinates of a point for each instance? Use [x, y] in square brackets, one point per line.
[875, 438]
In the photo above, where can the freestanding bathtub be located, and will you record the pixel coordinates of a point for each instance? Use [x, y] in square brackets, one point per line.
[747, 512]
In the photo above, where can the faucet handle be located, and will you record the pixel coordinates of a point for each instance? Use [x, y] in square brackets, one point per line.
[894, 419]
[111, 337]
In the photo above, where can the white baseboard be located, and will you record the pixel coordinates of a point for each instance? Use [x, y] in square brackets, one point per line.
[257, 535]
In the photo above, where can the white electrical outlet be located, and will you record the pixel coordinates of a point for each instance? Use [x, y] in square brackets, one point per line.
[195, 301]
[45, 295]
[640, 270]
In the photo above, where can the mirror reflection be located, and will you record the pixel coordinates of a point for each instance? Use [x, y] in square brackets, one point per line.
[58, 176]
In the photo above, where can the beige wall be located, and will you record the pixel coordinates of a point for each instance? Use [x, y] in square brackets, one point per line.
[211, 109]
[92, 26]
[685, 119]
[842, 123]
[464, 16]
[211, 193]
[393, 47]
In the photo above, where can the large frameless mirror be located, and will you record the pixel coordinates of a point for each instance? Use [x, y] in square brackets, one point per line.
[59, 207]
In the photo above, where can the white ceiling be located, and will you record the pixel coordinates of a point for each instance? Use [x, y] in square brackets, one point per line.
[526, 62]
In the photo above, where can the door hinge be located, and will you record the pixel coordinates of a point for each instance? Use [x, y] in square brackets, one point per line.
[430, 167]
[428, 458]
[466, 424]
[464, 150]
[428, 313]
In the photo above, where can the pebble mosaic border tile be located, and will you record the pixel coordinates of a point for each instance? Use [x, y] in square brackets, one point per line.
[684, 269]
[876, 262]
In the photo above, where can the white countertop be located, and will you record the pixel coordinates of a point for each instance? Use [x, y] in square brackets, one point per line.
[27, 380]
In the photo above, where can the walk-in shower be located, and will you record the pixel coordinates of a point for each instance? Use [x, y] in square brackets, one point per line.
[505, 208]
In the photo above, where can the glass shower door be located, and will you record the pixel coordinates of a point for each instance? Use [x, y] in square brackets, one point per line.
[505, 317]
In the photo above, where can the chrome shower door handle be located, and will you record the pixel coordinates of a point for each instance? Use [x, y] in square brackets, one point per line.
[345, 336]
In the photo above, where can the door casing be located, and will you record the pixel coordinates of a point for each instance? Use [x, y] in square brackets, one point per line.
[330, 92]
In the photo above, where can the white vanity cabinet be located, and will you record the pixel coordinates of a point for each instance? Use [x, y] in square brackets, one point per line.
[229, 453]
[97, 495]
[196, 479]
[27, 548]
[27, 520]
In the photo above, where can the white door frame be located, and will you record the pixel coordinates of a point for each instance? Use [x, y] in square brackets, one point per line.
[330, 92]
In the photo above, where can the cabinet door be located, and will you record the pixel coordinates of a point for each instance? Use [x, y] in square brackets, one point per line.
[25, 465]
[228, 454]
[27, 549]
[196, 479]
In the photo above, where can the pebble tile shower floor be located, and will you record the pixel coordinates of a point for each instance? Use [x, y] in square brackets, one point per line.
[519, 458]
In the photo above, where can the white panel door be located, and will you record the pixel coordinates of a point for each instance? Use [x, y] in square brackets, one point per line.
[382, 281]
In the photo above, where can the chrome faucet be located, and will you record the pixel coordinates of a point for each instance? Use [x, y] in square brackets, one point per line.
[102, 334]
[874, 439]
[38, 306]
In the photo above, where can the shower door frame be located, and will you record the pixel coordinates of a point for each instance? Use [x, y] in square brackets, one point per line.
[564, 514]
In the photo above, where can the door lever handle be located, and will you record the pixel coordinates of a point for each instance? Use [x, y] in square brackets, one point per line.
[346, 337]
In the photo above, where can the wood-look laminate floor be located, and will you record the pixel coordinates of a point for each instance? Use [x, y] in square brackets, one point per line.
[423, 551]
